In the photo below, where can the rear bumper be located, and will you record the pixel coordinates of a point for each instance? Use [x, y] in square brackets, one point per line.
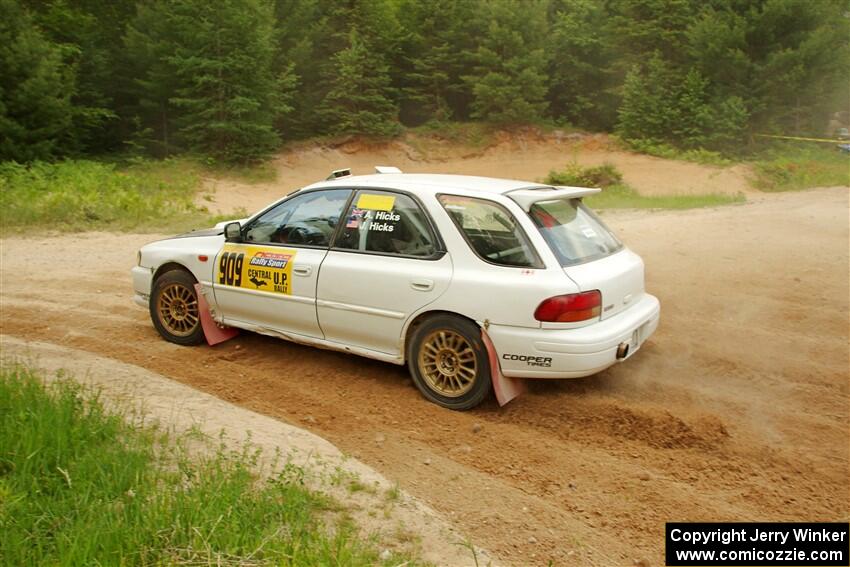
[573, 353]
[141, 285]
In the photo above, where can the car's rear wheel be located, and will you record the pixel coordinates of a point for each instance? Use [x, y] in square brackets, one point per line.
[174, 308]
[448, 362]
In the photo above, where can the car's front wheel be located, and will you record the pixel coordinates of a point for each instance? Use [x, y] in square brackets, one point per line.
[448, 362]
[174, 308]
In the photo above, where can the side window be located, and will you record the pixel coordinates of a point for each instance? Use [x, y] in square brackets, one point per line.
[491, 231]
[309, 219]
[386, 223]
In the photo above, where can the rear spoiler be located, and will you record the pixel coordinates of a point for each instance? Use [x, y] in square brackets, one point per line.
[530, 195]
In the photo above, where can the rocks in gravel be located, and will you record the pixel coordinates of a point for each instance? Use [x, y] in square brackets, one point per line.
[462, 449]
[385, 555]
[310, 419]
[644, 476]
[643, 562]
[532, 540]
[476, 427]
[380, 438]
[426, 462]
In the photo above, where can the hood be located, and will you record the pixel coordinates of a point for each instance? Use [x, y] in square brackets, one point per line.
[201, 232]
[214, 231]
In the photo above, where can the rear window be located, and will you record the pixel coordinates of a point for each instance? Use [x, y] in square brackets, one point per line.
[491, 231]
[572, 231]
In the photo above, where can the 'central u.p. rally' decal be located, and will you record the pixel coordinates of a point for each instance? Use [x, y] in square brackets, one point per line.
[254, 267]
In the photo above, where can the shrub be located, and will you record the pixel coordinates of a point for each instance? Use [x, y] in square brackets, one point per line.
[788, 167]
[575, 175]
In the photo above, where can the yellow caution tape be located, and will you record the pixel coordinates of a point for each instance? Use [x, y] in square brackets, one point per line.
[824, 140]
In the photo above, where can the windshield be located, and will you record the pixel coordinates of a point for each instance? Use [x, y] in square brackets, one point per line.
[572, 231]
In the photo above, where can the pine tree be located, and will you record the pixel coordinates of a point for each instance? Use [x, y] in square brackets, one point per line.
[509, 81]
[661, 105]
[319, 32]
[213, 64]
[648, 97]
[227, 92]
[581, 82]
[439, 48]
[786, 61]
[90, 32]
[35, 90]
[359, 100]
[150, 42]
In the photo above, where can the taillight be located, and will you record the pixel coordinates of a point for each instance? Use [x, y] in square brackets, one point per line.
[570, 308]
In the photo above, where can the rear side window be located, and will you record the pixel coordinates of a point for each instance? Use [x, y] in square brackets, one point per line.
[491, 231]
[572, 231]
[386, 223]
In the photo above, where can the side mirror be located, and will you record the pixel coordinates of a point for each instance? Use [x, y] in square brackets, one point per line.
[233, 232]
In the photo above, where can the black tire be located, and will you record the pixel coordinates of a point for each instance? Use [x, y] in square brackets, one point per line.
[443, 371]
[174, 308]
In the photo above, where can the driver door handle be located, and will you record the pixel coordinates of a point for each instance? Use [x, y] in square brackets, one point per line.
[302, 270]
[422, 284]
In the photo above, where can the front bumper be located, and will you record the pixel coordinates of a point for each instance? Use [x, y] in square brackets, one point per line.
[141, 285]
[573, 353]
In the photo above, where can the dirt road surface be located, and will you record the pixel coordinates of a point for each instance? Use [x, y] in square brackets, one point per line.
[737, 409]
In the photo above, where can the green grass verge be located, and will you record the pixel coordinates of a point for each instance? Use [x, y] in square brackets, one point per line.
[89, 195]
[662, 150]
[789, 167]
[83, 485]
[624, 197]
[617, 195]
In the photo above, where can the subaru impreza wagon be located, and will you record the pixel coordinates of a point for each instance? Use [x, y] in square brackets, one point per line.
[461, 278]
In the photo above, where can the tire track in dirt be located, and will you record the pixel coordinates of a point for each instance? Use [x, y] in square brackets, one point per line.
[733, 411]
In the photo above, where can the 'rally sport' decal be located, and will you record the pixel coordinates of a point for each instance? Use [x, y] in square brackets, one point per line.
[255, 267]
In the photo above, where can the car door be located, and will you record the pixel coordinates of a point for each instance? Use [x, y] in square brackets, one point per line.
[386, 263]
[269, 279]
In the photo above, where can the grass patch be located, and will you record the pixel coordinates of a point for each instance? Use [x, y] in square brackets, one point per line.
[625, 197]
[789, 167]
[662, 150]
[393, 494]
[618, 195]
[86, 195]
[83, 485]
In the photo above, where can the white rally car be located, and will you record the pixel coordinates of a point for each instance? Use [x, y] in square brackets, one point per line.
[461, 278]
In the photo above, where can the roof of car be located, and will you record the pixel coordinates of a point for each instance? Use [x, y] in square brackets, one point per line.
[428, 182]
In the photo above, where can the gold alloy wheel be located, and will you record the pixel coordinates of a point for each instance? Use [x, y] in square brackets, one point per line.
[448, 363]
[177, 307]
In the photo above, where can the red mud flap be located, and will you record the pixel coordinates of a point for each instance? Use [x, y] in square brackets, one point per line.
[213, 332]
[506, 388]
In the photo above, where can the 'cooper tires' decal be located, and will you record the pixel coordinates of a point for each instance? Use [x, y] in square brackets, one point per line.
[255, 267]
